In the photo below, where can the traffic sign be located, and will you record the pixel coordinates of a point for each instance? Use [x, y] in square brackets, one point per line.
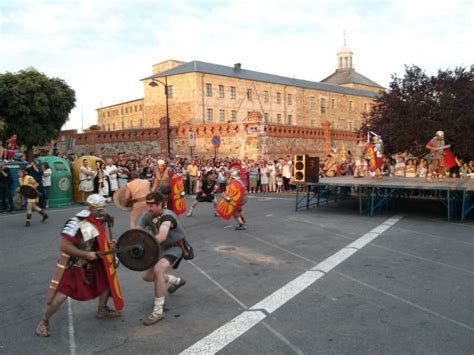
[191, 139]
[216, 141]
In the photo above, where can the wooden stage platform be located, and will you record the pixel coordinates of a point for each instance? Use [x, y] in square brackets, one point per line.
[376, 194]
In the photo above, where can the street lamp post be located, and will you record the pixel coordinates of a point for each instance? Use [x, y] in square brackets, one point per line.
[153, 84]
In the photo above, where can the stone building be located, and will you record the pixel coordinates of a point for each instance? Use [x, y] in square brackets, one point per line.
[256, 114]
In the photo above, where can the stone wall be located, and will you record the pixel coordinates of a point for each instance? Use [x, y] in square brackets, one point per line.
[253, 139]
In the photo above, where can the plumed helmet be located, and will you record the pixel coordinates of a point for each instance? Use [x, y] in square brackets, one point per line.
[235, 173]
[161, 162]
[96, 200]
[440, 133]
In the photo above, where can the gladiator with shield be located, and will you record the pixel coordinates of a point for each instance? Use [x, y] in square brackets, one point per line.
[131, 197]
[27, 188]
[233, 199]
[168, 231]
[81, 272]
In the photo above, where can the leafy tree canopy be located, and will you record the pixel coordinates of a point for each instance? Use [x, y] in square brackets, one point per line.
[34, 106]
[410, 112]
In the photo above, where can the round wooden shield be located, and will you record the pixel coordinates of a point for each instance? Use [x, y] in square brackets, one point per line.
[121, 200]
[143, 250]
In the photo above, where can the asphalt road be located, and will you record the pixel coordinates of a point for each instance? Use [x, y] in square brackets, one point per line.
[320, 281]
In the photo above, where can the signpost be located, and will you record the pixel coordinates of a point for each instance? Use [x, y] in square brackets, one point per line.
[191, 141]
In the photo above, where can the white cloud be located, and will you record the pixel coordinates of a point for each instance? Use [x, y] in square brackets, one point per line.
[103, 48]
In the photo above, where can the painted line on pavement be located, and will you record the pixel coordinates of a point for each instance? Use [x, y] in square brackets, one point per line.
[72, 340]
[230, 331]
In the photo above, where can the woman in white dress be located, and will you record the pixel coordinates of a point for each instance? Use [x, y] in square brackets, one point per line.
[264, 173]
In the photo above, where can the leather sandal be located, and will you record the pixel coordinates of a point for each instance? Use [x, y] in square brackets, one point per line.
[174, 288]
[42, 329]
[153, 318]
[106, 312]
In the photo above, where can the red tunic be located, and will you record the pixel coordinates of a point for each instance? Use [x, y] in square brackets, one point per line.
[86, 282]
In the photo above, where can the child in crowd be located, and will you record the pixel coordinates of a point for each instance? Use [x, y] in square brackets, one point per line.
[279, 183]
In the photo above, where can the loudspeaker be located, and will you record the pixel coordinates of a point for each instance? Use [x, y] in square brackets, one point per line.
[306, 169]
[312, 169]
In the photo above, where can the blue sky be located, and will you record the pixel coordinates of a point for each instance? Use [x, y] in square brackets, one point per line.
[102, 48]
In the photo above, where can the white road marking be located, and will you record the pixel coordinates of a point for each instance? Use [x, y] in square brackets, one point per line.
[72, 340]
[244, 306]
[230, 331]
[226, 334]
[229, 226]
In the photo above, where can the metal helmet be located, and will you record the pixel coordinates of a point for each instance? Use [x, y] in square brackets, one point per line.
[96, 200]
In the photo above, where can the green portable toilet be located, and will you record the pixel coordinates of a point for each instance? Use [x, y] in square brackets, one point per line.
[60, 192]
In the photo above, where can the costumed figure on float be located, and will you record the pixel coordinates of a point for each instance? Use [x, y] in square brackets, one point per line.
[375, 152]
[440, 157]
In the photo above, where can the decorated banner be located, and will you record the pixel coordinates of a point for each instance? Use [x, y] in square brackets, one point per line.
[230, 200]
[177, 195]
[111, 271]
[449, 159]
[371, 154]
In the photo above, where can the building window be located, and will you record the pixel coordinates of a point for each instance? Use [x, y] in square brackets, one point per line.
[290, 120]
[265, 96]
[108, 126]
[233, 115]
[323, 105]
[232, 93]
[266, 117]
[113, 126]
[221, 91]
[221, 115]
[333, 104]
[141, 123]
[141, 107]
[249, 94]
[313, 123]
[126, 109]
[278, 98]
[351, 105]
[290, 99]
[209, 89]
[278, 118]
[103, 114]
[108, 114]
[136, 108]
[170, 90]
[209, 114]
[312, 102]
[366, 107]
[123, 126]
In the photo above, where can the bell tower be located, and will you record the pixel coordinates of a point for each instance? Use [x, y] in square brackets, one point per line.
[344, 57]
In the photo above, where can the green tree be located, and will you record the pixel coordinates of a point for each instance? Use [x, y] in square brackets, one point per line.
[34, 106]
[414, 107]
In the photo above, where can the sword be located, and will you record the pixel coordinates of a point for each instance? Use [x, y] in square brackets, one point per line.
[135, 250]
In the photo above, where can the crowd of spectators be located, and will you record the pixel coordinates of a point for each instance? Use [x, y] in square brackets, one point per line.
[260, 176]
[401, 164]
